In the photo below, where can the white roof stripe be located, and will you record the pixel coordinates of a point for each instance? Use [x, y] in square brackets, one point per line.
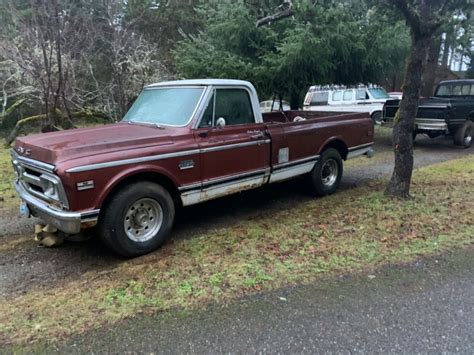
[202, 82]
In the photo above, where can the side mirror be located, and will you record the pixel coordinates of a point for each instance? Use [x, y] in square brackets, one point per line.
[220, 123]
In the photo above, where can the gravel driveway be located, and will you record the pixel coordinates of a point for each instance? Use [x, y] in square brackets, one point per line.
[25, 266]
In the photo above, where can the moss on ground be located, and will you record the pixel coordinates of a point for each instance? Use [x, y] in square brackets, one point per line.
[348, 232]
[8, 197]
[353, 231]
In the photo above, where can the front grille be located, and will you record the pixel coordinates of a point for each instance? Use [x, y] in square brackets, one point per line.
[40, 183]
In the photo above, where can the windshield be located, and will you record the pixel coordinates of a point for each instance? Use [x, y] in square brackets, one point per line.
[379, 93]
[165, 106]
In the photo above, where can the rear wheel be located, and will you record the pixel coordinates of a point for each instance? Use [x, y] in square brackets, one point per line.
[137, 219]
[464, 135]
[326, 175]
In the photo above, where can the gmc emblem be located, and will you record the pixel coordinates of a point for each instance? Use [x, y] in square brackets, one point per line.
[24, 151]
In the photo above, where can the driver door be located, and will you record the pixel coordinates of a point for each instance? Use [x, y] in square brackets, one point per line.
[232, 156]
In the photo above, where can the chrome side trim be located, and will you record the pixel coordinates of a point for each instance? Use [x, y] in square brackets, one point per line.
[357, 152]
[292, 171]
[66, 221]
[222, 180]
[296, 162]
[131, 161]
[356, 147]
[232, 146]
[162, 156]
[210, 193]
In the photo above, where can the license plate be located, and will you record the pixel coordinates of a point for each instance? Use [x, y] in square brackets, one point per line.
[24, 210]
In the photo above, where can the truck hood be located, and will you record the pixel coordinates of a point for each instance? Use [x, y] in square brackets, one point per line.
[60, 146]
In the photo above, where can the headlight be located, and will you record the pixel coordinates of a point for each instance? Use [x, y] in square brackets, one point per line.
[50, 187]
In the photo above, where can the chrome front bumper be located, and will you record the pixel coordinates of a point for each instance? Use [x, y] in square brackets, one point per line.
[423, 124]
[66, 221]
[429, 124]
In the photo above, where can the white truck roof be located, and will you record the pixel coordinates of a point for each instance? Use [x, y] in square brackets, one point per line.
[204, 82]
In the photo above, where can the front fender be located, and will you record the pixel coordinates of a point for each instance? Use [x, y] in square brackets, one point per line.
[129, 173]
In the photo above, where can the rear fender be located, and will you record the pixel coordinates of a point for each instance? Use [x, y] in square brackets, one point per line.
[337, 143]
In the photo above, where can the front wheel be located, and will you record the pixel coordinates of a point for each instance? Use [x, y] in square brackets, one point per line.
[463, 136]
[137, 219]
[326, 175]
[377, 118]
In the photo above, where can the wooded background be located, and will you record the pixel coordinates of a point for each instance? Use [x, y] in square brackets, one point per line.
[65, 61]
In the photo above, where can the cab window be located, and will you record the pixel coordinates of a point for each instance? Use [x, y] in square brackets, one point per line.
[233, 105]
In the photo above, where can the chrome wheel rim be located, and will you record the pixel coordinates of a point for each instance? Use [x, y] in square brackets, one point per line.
[329, 172]
[143, 220]
[467, 139]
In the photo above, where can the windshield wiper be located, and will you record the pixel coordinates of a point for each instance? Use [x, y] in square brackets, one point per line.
[157, 125]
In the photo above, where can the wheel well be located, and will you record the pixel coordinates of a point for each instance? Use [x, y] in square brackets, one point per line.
[340, 146]
[151, 177]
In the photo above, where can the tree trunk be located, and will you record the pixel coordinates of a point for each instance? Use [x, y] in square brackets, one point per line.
[446, 48]
[399, 185]
[431, 71]
[294, 100]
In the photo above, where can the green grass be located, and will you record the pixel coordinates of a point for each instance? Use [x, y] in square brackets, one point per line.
[8, 197]
[349, 232]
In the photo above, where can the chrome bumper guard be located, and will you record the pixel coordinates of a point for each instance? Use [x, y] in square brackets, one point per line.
[429, 124]
[426, 124]
[66, 221]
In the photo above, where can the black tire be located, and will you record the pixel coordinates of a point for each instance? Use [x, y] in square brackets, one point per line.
[413, 136]
[464, 135]
[320, 183]
[152, 204]
[377, 118]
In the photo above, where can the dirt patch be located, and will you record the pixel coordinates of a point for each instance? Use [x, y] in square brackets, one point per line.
[25, 266]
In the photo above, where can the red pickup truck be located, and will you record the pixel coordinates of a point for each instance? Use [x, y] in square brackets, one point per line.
[181, 143]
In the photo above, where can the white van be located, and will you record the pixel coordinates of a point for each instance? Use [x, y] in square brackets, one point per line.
[266, 106]
[334, 98]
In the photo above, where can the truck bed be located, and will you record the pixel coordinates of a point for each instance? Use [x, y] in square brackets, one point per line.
[306, 133]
